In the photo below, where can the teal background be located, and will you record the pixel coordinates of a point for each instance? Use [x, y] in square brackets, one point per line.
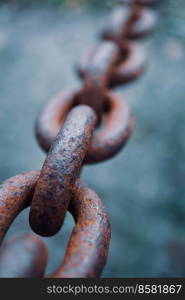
[143, 187]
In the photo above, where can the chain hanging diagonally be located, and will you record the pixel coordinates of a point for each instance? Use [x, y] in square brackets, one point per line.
[60, 171]
[89, 239]
[101, 68]
[74, 140]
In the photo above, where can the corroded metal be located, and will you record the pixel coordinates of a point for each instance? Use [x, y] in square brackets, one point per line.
[52, 117]
[96, 65]
[130, 66]
[127, 64]
[23, 256]
[98, 61]
[107, 140]
[87, 248]
[129, 21]
[66, 128]
[15, 195]
[115, 131]
[60, 171]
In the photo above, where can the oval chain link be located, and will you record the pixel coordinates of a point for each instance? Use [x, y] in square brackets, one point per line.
[79, 127]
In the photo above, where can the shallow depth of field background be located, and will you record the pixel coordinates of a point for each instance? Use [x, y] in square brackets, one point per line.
[143, 187]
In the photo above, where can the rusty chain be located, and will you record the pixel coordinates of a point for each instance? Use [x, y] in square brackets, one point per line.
[79, 127]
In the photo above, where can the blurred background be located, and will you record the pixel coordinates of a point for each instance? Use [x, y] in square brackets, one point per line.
[143, 187]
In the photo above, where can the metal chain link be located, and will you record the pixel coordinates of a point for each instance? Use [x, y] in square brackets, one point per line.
[79, 127]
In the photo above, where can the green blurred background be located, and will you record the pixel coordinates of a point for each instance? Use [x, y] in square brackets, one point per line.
[143, 187]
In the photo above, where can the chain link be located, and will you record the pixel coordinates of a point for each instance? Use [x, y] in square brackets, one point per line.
[79, 127]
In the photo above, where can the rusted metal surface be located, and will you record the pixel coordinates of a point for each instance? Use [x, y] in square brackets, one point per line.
[115, 131]
[15, 195]
[95, 67]
[87, 248]
[116, 127]
[127, 64]
[98, 61]
[52, 117]
[131, 65]
[23, 256]
[60, 171]
[73, 134]
[129, 21]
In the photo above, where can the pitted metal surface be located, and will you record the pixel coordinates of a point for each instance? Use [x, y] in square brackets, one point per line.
[88, 126]
[89, 239]
[60, 171]
[115, 129]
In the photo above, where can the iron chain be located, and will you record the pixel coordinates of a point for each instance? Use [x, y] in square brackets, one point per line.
[79, 127]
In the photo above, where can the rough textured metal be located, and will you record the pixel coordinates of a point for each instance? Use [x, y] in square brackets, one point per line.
[96, 69]
[57, 188]
[23, 256]
[52, 117]
[115, 131]
[98, 61]
[128, 63]
[129, 21]
[15, 195]
[131, 65]
[87, 249]
[107, 140]
[60, 171]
